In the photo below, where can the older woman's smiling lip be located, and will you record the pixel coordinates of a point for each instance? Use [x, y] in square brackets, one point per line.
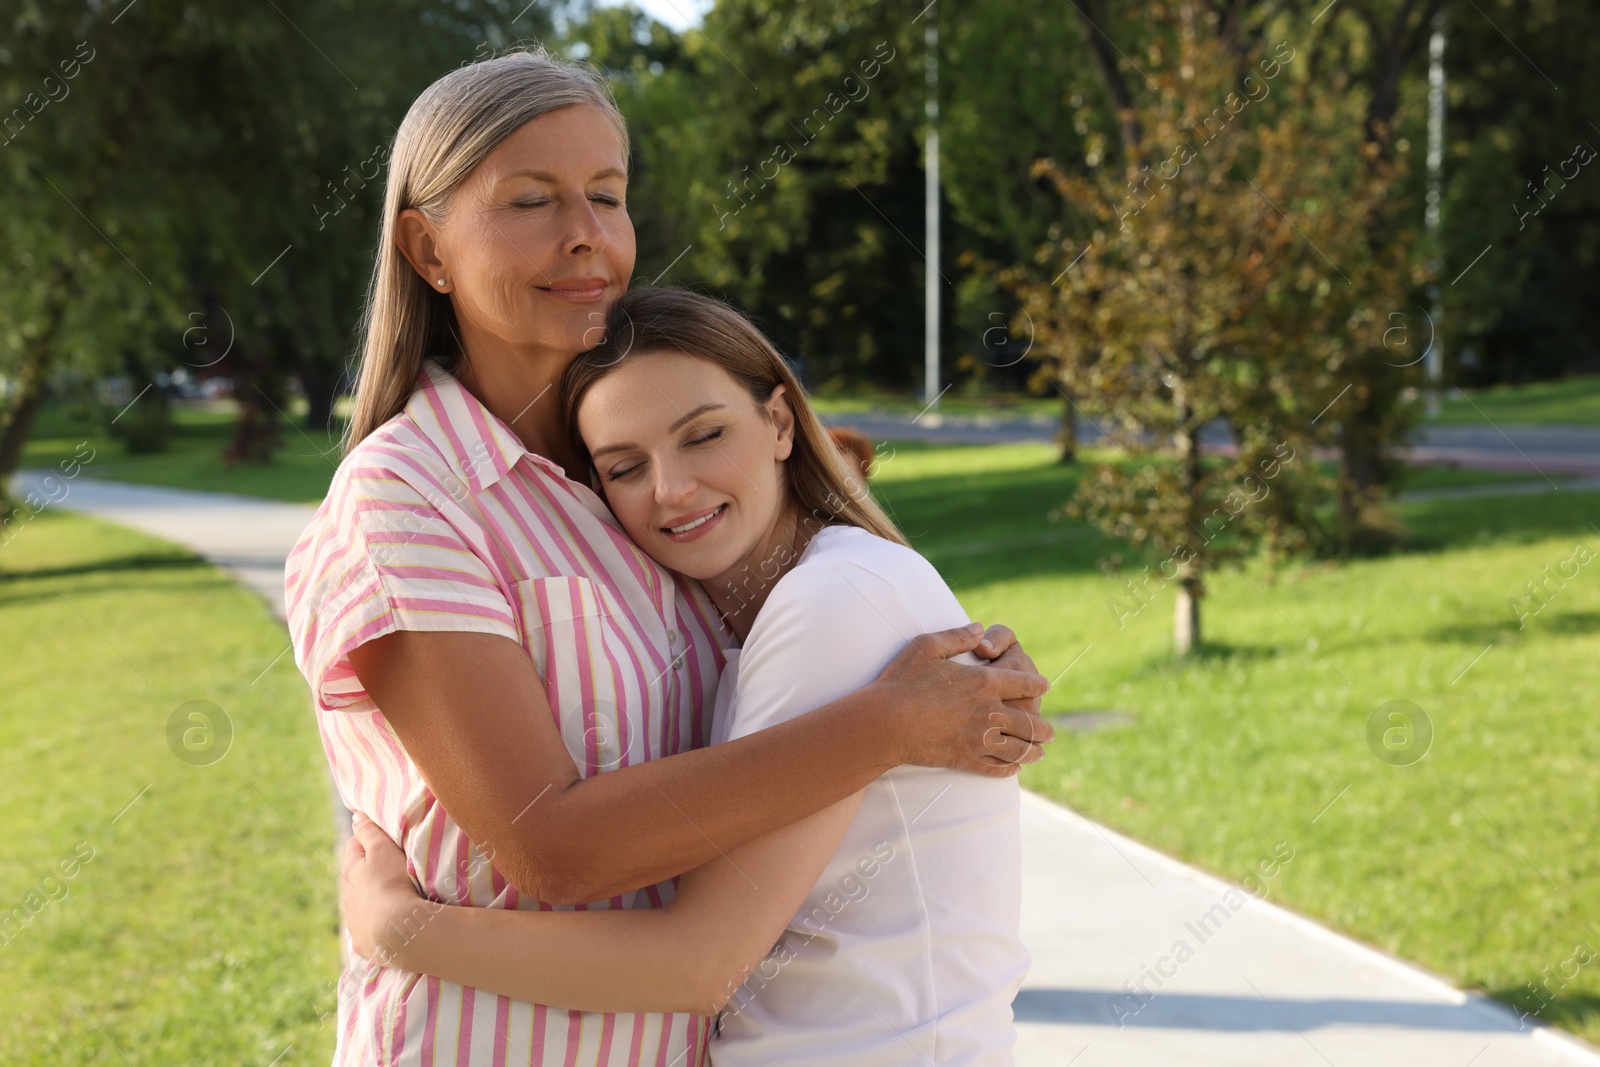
[577, 290]
[699, 523]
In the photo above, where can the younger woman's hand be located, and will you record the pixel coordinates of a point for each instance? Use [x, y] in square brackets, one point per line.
[980, 719]
[382, 908]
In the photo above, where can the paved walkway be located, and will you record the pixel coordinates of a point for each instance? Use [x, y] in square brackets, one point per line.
[1257, 986]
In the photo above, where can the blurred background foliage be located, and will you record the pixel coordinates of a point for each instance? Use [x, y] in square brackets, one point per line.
[192, 185]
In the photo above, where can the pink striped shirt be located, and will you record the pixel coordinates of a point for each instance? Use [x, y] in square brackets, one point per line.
[442, 520]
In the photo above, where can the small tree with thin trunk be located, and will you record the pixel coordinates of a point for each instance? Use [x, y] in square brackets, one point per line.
[1222, 276]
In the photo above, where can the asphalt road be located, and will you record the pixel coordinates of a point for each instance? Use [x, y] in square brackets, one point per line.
[1536, 450]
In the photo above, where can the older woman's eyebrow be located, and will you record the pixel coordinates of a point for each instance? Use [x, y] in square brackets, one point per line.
[546, 176]
[596, 453]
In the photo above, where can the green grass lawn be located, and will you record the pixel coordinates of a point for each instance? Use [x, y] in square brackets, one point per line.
[1478, 861]
[1472, 861]
[203, 927]
[301, 470]
[1447, 477]
[1569, 400]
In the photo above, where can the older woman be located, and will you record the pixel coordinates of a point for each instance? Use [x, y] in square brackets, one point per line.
[504, 683]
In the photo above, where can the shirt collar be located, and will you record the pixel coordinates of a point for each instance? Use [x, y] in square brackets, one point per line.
[471, 438]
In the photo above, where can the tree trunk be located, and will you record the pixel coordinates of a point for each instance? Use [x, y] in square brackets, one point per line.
[29, 395]
[24, 409]
[1103, 53]
[1361, 466]
[321, 387]
[259, 389]
[1361, 457]
[1067, 436]
[1186, 615]
[1186, 618]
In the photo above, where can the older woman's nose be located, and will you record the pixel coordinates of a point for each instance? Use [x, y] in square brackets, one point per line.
[586, 231]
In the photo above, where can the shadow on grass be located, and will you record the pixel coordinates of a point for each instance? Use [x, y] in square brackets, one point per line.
[1506, 631]
[1572, 623]
[143, 561]
[1213, 654]
[997, 525]
[1438, 525]
[1570, 1009]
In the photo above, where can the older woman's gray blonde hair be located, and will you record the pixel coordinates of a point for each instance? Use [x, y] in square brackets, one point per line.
[450, 128]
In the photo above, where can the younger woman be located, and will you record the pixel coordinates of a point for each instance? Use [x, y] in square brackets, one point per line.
[881, 930]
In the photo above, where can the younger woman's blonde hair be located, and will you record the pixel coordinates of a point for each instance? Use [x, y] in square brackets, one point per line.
[649, 321]
[450, 128]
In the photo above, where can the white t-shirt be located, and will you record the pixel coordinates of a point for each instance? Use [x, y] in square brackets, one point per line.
[907, 950]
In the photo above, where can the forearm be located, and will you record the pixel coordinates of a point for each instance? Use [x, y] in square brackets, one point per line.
[625, 960]
[688, 956]
[639, 825]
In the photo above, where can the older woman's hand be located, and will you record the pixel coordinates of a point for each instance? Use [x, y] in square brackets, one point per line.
[979, 719]
[1002, 649]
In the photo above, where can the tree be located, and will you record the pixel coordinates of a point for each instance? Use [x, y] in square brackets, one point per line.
[1222, 272]
[87, 266]
[188, 178]
[1520, 218]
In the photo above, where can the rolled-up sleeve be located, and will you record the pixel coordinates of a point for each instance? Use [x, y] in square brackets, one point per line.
[381, 556]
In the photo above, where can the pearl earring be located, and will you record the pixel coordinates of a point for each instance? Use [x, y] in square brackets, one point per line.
[441, 282]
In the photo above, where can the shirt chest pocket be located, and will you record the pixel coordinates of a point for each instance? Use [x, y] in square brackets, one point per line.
[582, 650]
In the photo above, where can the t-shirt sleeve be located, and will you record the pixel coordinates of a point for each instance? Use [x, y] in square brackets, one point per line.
[827, 631]
[380, 557]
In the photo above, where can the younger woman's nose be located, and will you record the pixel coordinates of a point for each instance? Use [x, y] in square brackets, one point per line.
[673, 487]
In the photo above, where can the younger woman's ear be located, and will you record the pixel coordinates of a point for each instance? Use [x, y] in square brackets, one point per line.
[782, 417]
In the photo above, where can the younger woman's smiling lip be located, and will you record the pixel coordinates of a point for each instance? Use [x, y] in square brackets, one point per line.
[707, 518]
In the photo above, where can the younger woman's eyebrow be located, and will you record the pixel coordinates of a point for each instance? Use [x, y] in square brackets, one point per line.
[701, 410]
[674, 428]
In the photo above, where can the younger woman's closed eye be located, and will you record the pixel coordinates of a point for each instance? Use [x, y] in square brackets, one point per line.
[622, 472]
[706, 438]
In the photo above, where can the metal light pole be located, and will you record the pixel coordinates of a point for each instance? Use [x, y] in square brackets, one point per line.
[1435, 358]
[930, 186]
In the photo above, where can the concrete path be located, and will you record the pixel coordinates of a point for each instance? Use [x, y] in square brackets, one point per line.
[1257, 985]
[246, 536]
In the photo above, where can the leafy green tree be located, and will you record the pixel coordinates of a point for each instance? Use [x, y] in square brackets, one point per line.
[1222, 272]
[1520, 218]
[194, 182]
